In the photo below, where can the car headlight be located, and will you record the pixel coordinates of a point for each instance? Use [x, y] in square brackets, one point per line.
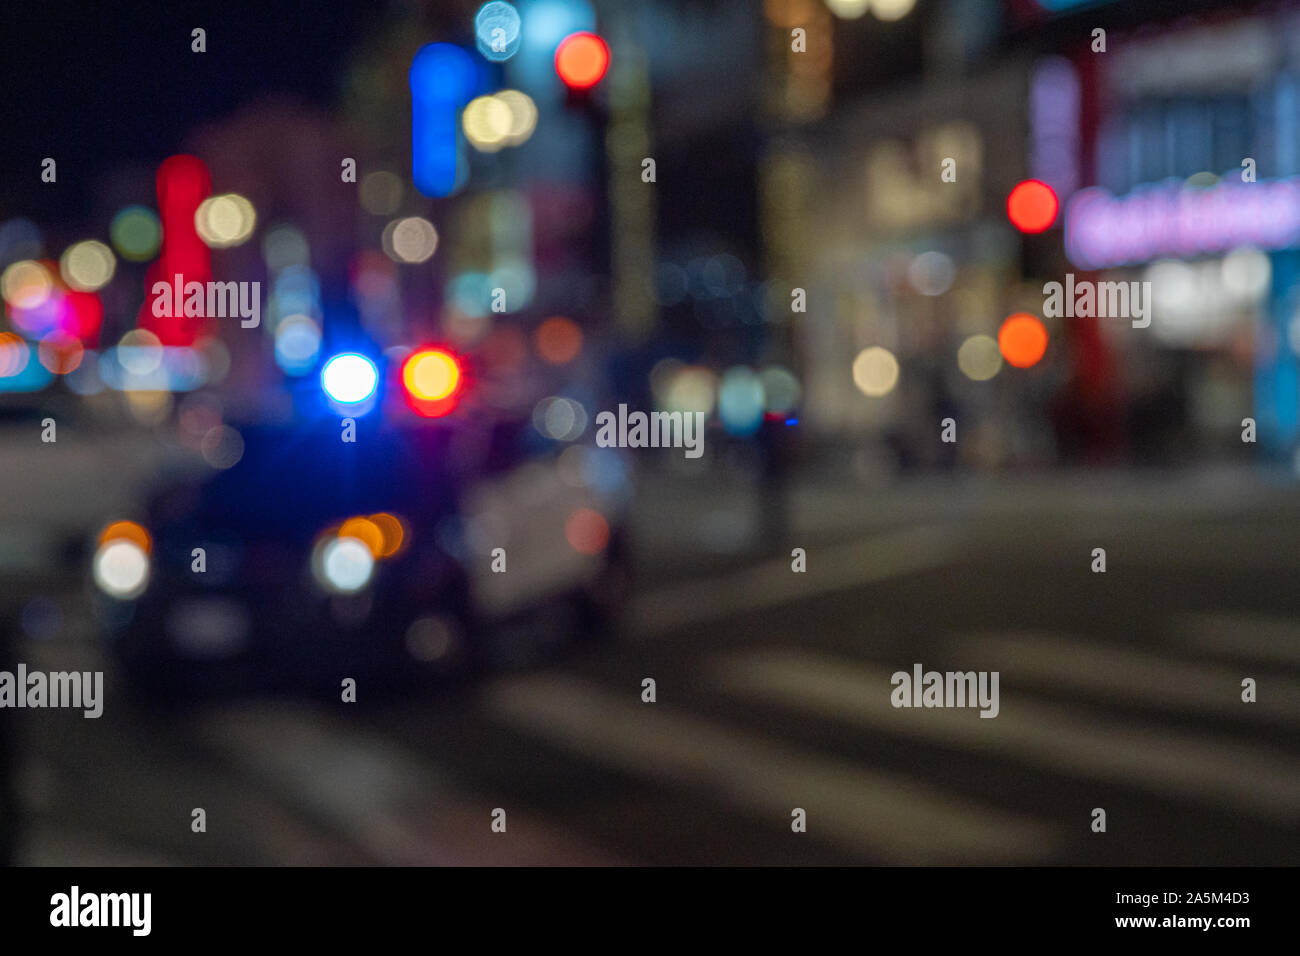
[121, 569]
[345, 565]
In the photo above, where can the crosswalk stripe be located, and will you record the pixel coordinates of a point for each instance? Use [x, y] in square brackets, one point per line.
[1211, 770]
[1240, 636]
[1138, 676]
[772, 584]
[382, 797]
[873, 812]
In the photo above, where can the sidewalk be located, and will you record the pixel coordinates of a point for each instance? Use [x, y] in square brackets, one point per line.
[686, 521]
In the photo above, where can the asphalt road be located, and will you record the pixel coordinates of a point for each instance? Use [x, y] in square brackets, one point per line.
[1118, 690]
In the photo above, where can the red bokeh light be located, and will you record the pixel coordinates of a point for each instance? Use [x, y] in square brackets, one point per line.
[1032, 206]
[432, 381]
[587, 531]
[1022, 340]
[182, 182]
[581, 60]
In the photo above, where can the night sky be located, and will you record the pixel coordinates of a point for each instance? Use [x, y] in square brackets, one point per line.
[97, 83]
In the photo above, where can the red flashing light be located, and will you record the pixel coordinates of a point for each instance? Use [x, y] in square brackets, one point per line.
[432, 380]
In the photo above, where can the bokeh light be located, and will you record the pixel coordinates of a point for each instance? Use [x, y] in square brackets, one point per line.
[410, 240]
[558, 340]
[87, 266]
[931, 273]
[740, 401]
[121, 569]
[562, 419]
[891, 9]
[1247, 273]
[684, 388]
[1032, 206]
[581, 60]
[26, 284]
[430, 375]
[381, 192]
[848, 9]
[14, 354]
[139, 352]
[875, 371]
[587, 531]
[780, 390]
[979, 358]
[496, 31]
[136, 233]
[345, 565]
[297, 344]
[1022, 340]
[222, 447]
[226, 220]
[60, 352]
[523, 116]
[394, 533]
[349, 378]
[487, 122]
[443, 78]
[126, 531]
[365, 531]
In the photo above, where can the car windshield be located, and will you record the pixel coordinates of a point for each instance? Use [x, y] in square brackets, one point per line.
[291, 481]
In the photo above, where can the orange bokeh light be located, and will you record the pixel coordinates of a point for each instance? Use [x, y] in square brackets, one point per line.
[14, 354]
[365, 531]
[1032, 206]
[126, 531]
[393, 531]
[559, 340]
[1022, 340]
[581, 60]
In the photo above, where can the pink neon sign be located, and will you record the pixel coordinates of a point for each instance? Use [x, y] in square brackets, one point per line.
[1171, 219]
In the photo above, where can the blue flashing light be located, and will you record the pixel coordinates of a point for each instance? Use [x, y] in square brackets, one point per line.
[349, 378]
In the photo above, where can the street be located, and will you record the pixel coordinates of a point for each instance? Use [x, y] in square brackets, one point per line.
[1119, 690]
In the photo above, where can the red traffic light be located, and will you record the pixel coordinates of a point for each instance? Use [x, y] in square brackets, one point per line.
[581, 60]
[1032, 206]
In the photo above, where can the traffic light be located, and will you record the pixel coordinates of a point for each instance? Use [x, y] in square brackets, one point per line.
[581, 60]
[1032, 206]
